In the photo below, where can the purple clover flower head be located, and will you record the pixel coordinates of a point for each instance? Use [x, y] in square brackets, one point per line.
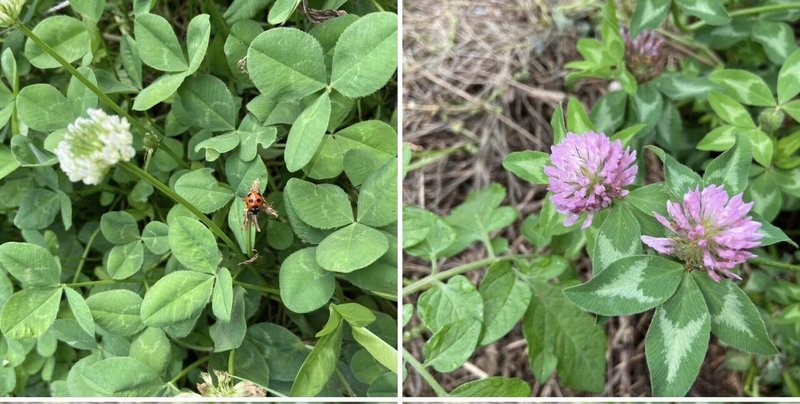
[710, 230]
[647, 43]
[588, 172]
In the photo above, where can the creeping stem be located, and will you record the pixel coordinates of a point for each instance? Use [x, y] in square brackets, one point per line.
[775, 264]
[432, 279]
[96, 90]
[420, 368]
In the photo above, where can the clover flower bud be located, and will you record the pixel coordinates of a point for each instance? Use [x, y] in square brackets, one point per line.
[93, 145]
[771, 119]
[151, 142]
[643, 56]
[710, 231]
[588, 172]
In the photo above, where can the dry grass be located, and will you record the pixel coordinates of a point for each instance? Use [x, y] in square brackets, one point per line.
[481, 80]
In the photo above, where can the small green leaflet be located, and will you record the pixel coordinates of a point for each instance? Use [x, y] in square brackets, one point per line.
[648, 15]
[320, 364]
[505, 298]
[528, 165]
[710, 11]
[734, 318]
[29, 312]
[619, 236]
[495, 386]
[731, 168]
[789, 78]
[745, 87]
[452, 345]
[679, 178]
[579, 356]
[447, 303]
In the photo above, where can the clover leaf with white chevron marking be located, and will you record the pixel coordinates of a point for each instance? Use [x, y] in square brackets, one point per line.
[619, 237]
[734, 318]
[677, 340]
[630, 285]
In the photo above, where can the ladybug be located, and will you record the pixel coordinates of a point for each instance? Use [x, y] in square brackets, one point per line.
[255, 203]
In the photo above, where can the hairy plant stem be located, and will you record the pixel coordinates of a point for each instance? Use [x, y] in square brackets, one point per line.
[430, 280]
[751, 11]
[437, 388]
[188, 369]
[134, 169]
[712, 59]
[96, 90]
[674, 10]
[775, 264]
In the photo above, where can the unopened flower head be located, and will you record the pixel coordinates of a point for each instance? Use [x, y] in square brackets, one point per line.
[710, 230]
[588, 172]
[643, 56]
[647, 43]
[92, 145]
[9, 12]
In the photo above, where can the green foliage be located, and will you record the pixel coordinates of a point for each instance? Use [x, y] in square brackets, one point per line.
[708, 123]
[458, 316]
[727, 110]
[136, 285]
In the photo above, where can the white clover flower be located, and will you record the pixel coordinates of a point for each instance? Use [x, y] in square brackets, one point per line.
[91, 146]
[223, 388]
[9, 12]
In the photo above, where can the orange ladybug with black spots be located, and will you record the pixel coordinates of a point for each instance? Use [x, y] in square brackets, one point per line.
[253, 204]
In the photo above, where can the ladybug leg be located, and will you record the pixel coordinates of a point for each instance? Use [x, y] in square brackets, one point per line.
[270, 210]
[246, 218]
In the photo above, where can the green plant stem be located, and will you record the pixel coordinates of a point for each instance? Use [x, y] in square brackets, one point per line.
[432, 279]
[96, 90]
[231, 361]
[134, 169]
[191, 346]
[712, 59]
[788, 380]
[751, 11]
[378, 6]
[676, 17]
[775, 264]
[102, 282]
[85, 254]
[437, 388]
[343, 381]
[188, 369]
[264, 289]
